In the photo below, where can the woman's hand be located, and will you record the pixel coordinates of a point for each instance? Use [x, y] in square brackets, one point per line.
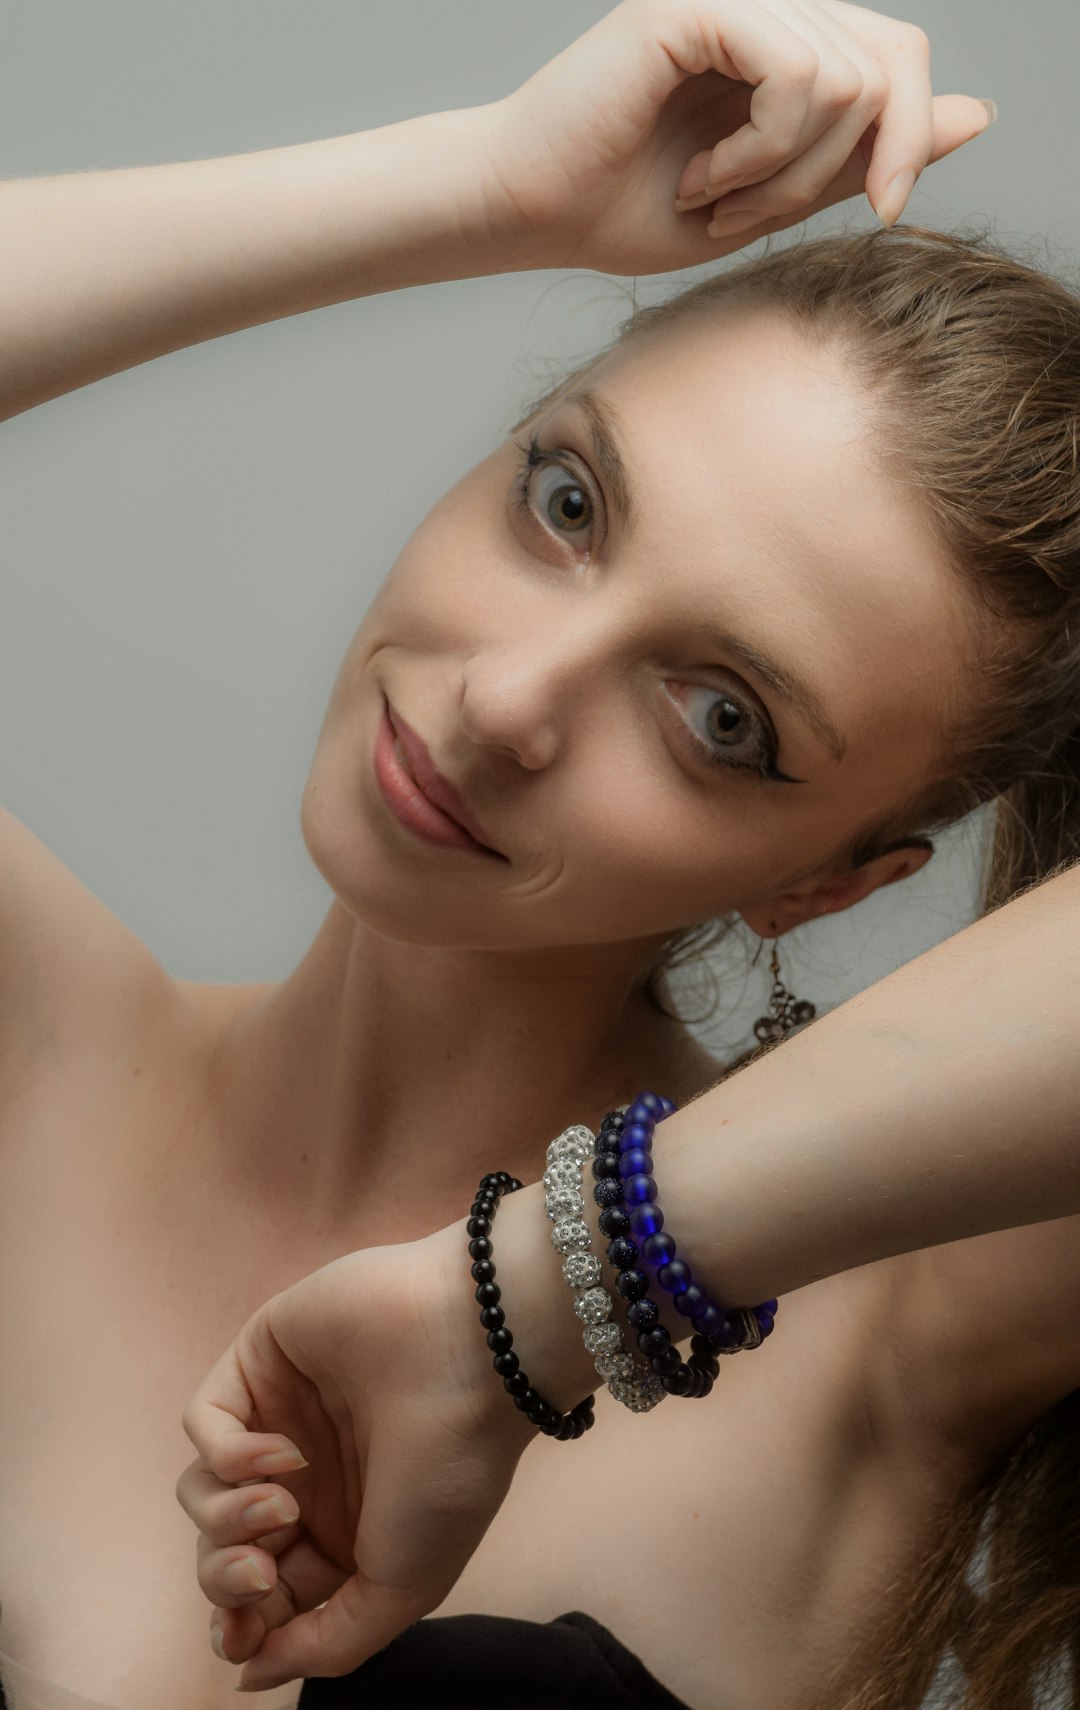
[780, 107]
[376, 1369]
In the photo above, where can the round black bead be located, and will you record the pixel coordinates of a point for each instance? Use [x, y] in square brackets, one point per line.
[493, 1318]
[605, 1164]
[680, 1382]
[500, 1341]
[643, 1314]
[516, 1385]
[484, 1207]
[478, 1226]
[615, 1220]
[483, 1271]
[608, 1192]
[508, 1181]
[567, 1430]
[506, 1364]
[653, 1342]
[665, 1363]
[542, 1414]
[528, 1398]
[490, 1184]
[621, 1252]
[480, 1247]
[632, 1284]
[489, 1294]
[612, 1122]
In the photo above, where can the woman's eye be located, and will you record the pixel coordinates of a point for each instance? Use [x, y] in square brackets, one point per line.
[727, 729]
[550, 490]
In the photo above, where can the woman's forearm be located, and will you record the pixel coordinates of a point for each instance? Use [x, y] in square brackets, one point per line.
[103, 270]
[942, 1102]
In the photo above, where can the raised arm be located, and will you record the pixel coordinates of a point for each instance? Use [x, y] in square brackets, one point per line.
[580, 167]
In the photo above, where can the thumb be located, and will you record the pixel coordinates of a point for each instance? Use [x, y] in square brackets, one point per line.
[360, 1619]
[957, 119]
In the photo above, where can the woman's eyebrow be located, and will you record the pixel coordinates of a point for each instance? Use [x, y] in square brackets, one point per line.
[604, 429]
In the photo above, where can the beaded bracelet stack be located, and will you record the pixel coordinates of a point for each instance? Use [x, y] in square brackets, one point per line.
[626, 1194]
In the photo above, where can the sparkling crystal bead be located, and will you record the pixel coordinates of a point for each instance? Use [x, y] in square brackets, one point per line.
[593, 1306]
[568, 1233]
[617, 1364]
[565, 1202]
[582, 1270]
[602, 1338]
[638, 1396]
[564, 1174]
[574, 1142]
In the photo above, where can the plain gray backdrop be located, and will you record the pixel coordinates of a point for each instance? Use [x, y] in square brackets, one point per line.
[188, 547]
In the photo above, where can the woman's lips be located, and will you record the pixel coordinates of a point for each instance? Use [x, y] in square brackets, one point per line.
[417, 793]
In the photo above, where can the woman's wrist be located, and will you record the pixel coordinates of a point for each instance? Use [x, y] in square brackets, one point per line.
[109, 269]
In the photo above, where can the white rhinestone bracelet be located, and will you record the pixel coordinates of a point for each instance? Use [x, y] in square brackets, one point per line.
[629, 1379]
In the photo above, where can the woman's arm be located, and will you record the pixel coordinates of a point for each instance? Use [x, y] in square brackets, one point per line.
[941, 1103]
[578, 168]
[104, 270]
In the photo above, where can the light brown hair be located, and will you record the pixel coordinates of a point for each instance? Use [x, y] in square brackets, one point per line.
[972, 359]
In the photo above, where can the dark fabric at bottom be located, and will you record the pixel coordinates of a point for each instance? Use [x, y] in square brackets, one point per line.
[487, 1662]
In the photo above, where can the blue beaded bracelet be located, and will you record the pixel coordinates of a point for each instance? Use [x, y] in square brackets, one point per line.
[626, 1192]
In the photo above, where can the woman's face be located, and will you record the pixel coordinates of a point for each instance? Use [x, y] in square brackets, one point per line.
[655, 717]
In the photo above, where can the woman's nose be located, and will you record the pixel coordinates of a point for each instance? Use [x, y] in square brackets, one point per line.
[521, 699]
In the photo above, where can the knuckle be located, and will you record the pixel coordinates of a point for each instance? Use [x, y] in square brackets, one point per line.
[845, 88]
[915, 42]
[803, 63]
[875, 89]
[790, 197]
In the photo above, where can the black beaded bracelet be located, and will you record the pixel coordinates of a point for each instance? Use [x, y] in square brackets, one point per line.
[692, 1378]
[564, 1427]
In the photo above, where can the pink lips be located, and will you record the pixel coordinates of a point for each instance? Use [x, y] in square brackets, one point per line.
[425, 802]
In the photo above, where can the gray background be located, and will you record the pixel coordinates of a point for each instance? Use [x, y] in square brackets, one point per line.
[188, 547]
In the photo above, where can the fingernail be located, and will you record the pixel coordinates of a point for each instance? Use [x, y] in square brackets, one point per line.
[894, 197]
[279, 1461]
[726, 225]
[991, 106]
[698, 200]
[217, 1642]
[265, 1685]
[243, 1578]
[267, 1516]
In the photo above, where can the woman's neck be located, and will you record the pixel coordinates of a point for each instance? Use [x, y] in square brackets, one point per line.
[403, 1072]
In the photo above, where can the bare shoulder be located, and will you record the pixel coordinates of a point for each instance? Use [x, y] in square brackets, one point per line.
[986, 1339]
[68, 967]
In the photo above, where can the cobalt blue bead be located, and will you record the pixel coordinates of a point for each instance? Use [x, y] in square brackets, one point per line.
[674, 1277]
[643, 1314]
[692, 1299]
[635, 1190]
[727, 1336]
[607, 1192]
[708, 1321]
[636, 1135]
[635, 1163]
[765, 1319]
[652, 1102]
[639, 1111]
[770, 1306]
[646, 1220]
[658, 1250]
[669, 1107]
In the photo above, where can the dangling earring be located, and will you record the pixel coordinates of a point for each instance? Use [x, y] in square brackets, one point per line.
[785, 1012]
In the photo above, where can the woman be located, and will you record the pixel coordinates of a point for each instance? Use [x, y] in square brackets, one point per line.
[563, 703]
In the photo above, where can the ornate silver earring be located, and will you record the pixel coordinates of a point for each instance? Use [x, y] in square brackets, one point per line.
[785, 1011]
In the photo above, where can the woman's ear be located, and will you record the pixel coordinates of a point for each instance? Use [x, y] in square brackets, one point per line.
[830, 893]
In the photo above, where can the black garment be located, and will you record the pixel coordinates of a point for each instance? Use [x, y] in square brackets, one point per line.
[488, 1662]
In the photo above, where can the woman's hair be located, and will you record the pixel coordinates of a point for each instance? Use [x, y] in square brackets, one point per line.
[972, 362]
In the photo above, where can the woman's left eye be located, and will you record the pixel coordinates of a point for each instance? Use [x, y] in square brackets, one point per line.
[728, 730]
[563, 503]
